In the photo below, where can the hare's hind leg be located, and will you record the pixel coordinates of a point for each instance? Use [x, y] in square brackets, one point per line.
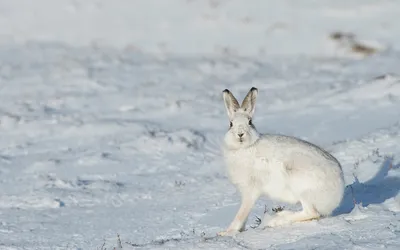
[284, 218]
[308, 213]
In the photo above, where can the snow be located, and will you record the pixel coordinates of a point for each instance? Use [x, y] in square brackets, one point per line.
[111, 119]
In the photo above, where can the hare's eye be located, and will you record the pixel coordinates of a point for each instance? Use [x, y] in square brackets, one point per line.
[230, 124]
[250, 122]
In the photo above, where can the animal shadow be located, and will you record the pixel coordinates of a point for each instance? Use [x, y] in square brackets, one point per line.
[374, 191]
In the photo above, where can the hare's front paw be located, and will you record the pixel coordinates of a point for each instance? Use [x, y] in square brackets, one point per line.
[228, 232]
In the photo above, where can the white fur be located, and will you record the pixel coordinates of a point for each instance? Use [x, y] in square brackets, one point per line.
[283, 168]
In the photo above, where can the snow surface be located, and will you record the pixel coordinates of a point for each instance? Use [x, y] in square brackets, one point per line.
[111, 119]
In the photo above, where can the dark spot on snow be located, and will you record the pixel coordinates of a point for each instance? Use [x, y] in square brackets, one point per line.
[85, 183]
[337, 35]
[49, 110]
[192, 139]
[354, 44]
[60, 202]
[179, 183]
[105, 155]
[5, 158]
[55, 161]
[81, 182]
[385, 77]
[152, 133]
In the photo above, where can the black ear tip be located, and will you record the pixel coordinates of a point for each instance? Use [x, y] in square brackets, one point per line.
[253, 89]
[226, 91]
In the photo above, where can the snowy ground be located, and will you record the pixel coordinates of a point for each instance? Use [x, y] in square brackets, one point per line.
[116, 131]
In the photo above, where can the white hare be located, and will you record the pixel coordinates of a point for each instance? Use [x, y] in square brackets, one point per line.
[281, 167]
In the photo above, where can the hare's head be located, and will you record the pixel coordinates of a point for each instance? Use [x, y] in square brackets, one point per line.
[242, 132]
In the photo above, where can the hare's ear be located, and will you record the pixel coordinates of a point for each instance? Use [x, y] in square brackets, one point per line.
[231, 104]
[249, 102]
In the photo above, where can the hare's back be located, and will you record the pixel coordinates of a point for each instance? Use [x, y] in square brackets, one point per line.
[287, 146]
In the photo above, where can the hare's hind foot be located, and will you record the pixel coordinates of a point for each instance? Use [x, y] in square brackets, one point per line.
[280, 220]
[288, 217]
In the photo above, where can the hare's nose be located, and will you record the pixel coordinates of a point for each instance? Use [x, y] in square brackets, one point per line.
[240, 135]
